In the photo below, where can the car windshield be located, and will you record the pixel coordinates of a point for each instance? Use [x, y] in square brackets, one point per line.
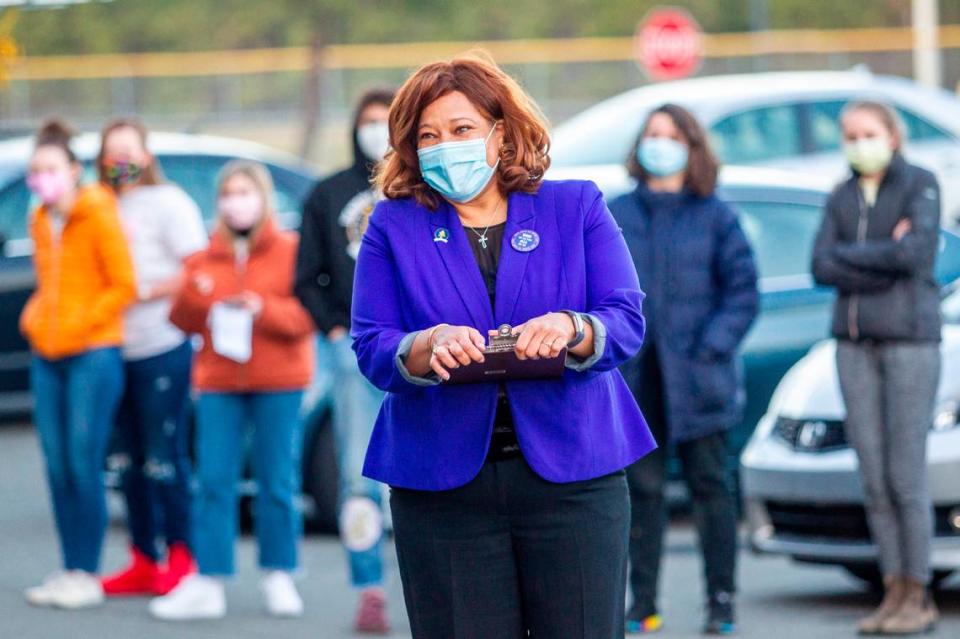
[590, 138]
[15, 204]
[196, 174]
[8, 172]
[781, 234]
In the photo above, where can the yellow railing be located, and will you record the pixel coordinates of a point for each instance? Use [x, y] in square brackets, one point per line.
[407, 55]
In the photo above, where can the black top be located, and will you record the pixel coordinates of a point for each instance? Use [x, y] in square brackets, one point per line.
[486, 246]
[488, 257]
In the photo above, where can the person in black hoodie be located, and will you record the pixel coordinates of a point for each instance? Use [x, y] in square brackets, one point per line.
[334, 218]
[877, 245]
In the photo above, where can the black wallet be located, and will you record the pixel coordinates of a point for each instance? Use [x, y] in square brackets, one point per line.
[502, 364]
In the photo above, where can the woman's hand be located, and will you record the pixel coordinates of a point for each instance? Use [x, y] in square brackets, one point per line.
[336, 333]
[247, 300]
[903, 227]
[453, 346]
[545, 336]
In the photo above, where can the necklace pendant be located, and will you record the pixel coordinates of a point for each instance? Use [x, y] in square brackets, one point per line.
[483, 241]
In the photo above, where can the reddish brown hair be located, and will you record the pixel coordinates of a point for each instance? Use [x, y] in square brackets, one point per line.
[149, 175]
[702, 164]
[524, 155]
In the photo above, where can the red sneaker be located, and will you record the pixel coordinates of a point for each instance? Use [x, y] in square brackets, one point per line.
[372, 613]
[138, 579]
[179, 565]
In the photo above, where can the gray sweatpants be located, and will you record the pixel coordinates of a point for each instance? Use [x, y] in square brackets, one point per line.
[889, 390]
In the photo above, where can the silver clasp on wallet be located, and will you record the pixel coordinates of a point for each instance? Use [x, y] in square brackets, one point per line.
[504, 340]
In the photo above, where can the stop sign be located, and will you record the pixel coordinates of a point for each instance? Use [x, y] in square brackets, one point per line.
[668, 44]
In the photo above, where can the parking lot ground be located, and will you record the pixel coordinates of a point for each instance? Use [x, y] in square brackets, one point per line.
[778, 599]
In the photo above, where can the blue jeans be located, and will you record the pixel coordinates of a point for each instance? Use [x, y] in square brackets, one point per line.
[152, 439]
[356, 403]
[274, 448]
[75, 404]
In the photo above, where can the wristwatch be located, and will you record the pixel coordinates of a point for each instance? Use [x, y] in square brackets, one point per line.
[577, 327]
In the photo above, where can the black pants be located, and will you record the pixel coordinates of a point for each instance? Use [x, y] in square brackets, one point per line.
[705, 472]
[511, 555]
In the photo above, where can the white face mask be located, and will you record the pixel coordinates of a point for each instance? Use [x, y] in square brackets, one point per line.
[869, 155]
[374, 140]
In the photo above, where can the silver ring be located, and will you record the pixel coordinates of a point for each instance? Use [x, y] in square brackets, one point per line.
[437, 348]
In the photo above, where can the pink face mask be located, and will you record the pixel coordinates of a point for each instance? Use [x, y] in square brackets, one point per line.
[49, 186]
[241, 212]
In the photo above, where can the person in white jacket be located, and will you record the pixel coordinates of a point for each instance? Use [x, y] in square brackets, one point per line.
[163, 226]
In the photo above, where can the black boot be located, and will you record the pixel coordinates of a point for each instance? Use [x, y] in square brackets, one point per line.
[720, 618]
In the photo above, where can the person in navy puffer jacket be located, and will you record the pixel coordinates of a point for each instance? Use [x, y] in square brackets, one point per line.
[698, 269]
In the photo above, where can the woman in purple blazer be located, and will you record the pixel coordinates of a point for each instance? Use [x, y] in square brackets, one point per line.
[509, 501]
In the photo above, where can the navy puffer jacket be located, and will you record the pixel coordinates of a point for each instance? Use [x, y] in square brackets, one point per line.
[698, 271]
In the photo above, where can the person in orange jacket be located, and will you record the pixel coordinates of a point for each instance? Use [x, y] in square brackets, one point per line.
[74, 324]
[256, 359]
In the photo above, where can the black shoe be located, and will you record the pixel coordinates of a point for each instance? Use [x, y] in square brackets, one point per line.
[642, 620]
[720, 619]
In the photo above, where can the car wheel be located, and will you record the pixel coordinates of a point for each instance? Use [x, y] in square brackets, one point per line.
[870, 573]
[321, 480]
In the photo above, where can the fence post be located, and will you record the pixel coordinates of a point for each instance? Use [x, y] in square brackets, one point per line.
[927, 69]
[312, 87]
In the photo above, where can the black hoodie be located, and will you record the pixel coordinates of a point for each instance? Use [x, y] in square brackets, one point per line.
[334, 218]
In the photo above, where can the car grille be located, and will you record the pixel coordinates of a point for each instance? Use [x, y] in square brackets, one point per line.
[813, 521]
[838, 522]
[811, 435]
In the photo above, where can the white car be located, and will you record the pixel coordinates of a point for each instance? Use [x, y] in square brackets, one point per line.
[783, 120]
[799, 477]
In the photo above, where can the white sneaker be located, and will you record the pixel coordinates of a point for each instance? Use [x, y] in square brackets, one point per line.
[71, 590]
[196, 597]
[42, 595]
[281, 594]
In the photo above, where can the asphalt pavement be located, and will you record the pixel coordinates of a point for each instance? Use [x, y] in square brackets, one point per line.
[778, 599]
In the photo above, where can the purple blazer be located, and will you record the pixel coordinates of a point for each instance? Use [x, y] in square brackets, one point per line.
[416, 270]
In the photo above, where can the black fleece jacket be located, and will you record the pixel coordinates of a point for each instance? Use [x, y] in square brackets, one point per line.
[885, 288]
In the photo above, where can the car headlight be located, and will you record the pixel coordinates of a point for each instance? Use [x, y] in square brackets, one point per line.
[947, 415]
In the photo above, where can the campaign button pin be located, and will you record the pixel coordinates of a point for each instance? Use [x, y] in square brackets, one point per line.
[441, 235]
[525, 241]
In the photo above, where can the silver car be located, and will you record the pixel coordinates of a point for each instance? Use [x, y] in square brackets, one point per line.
[782, 120]
[799, 477]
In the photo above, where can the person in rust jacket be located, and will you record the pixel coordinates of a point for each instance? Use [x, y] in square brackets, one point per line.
[256, 359]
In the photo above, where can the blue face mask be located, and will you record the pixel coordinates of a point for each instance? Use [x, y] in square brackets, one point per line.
[457, 170]
[662, 156]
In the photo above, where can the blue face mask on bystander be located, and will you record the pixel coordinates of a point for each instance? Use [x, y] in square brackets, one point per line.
[457, 170]
[662, 156]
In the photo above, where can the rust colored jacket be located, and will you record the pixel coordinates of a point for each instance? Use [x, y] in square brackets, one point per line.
[282, 346]
[85, 278]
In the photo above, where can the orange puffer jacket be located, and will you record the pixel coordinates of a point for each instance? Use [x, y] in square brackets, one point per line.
[85, 278]
[282, 341]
